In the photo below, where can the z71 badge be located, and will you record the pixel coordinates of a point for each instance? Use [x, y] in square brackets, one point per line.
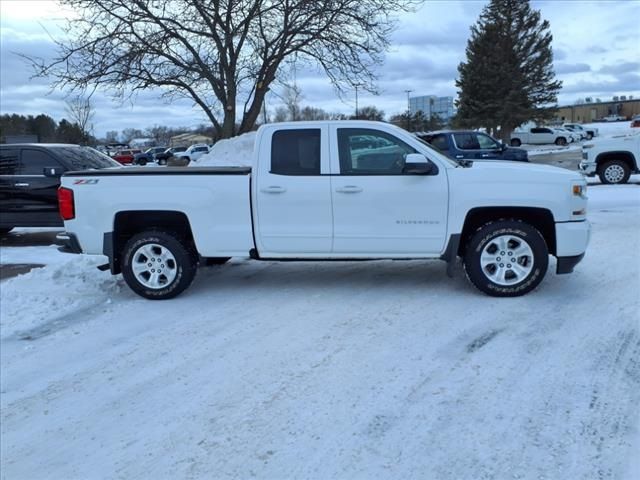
[91, 181]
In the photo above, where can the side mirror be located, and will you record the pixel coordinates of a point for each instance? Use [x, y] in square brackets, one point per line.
[53, 171]
[417, 164]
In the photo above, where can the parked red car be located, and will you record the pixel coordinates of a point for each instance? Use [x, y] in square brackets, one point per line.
[125, 157]
[635, 121]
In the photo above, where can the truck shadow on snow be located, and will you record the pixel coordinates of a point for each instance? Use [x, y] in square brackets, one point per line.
[424, 275]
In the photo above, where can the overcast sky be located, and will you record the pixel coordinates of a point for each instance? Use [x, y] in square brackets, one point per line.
[596, 54]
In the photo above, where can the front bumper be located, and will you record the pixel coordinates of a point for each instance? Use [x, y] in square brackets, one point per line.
[588, 168]
[68, 243]
[572, 239]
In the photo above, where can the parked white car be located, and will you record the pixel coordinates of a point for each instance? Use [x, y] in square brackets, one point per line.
[315, 193]
[613, 160]
[194, 152]
[540, 136]
[571, 136]
[588, 132]
[614, 118]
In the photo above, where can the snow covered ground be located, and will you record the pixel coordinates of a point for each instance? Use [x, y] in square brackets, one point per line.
[327, 370]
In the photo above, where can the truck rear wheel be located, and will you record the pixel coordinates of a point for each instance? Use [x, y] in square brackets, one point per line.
[614, 172]
[158, 265]
[515, 142]
[507, 258]
[561, 141]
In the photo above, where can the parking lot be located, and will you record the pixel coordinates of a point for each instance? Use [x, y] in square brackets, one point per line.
[361, 369]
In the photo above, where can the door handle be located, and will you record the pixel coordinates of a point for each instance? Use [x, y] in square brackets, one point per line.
[273, 189]
[485, 155]
[20, 184]
[349, 189]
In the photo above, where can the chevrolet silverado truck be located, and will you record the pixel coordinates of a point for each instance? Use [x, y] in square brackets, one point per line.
[317, 192]
[613, 159]
[539, 136]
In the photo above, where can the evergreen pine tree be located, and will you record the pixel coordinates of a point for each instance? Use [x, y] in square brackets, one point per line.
[508, 77]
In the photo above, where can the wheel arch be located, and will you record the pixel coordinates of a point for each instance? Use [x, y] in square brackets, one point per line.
[540, 218]
[130, 222]
[621, 155]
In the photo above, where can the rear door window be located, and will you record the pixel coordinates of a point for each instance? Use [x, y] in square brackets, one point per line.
[9, 161]
[296, 152]
[33, 162]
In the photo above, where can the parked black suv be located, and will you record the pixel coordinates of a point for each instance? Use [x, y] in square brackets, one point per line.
[469, 144]
[30, 177]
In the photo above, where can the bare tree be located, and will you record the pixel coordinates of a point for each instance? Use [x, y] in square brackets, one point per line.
[80, 111]
[291, 98]
[221, 54]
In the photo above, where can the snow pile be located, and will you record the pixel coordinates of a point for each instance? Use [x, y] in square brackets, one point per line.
[237, 151]
[46, 298]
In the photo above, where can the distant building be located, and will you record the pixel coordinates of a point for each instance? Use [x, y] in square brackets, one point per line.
[589, 112]
[430, 104]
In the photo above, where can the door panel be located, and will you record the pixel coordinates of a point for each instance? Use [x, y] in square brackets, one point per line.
[377, 209]
[36, 200]
[293, 198]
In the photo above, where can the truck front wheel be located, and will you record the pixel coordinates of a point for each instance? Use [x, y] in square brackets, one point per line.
[158, 265]
[614, 172]
[506, 258]
[561, 141]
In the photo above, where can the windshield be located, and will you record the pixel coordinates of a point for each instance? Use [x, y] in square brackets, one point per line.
[86, 158]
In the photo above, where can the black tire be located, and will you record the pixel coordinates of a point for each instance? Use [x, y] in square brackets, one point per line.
[517, 235]
[515, 142]
[561, 141]
[211, 261]
[614, 172]
[142, 162]
[589, 135]
[182, 268]
[5, 230]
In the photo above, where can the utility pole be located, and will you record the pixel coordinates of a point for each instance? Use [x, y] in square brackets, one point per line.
[408, 110]
[356, 87]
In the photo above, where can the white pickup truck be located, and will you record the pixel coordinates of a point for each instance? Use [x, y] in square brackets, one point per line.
[540, 136]
[612, 159]
[315, 192]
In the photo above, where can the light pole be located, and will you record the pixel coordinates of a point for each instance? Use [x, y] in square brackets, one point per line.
[408, 109]
[356, 87]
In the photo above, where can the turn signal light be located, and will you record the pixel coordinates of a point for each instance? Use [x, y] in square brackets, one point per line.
[65, 203]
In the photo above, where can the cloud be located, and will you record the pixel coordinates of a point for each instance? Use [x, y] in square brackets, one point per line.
[618, 68]
[566, 68]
